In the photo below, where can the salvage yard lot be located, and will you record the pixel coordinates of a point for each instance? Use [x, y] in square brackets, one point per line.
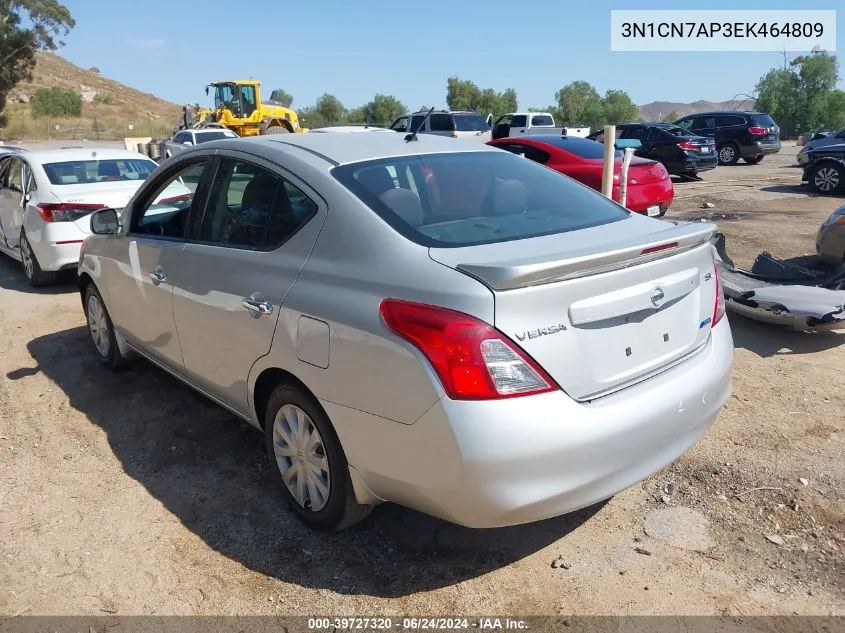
[129, 494]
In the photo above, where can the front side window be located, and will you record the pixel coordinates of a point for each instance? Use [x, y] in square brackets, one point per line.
[400, 124]
[685, 124]
[467, 198]
[416, 121]
[252, 207]
[86, 172]
[165, 212]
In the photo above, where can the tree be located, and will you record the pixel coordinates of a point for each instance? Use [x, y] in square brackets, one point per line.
[618, 107]
[56, 102]
[671, 117]
[465, 95]
[383, 109]
[834, 106]
[579, 104]
[25, 27]
[280, 96]
[800, 96]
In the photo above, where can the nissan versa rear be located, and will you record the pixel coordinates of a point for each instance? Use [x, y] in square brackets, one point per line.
[434, 323]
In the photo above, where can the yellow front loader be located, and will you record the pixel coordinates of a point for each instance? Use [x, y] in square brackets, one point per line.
[238, 107]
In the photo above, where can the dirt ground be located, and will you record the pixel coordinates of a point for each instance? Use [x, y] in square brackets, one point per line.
[128, 494]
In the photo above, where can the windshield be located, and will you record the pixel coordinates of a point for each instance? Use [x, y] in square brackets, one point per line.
[468, 198]
[80, 172]
[204, 137]
[224, 95]
[470, 123]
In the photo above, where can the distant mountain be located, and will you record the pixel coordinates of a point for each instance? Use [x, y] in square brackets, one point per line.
[657, 110]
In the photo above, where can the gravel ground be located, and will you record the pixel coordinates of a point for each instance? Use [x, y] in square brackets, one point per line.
[128, 494]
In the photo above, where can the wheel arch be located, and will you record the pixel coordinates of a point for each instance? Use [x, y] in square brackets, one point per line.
[265, 382]
[269, 121]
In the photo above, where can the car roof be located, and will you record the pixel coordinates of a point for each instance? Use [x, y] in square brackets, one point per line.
[79, 153]
[747, 112]
[445, 112]
[353, 148]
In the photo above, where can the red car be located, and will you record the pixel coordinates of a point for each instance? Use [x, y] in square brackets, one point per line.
[650, 189]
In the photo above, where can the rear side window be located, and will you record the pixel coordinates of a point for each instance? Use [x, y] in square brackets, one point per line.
[728, 120]
[471, 123]
[520, 120]
[468, 198]
[542, 119]
[440, 122]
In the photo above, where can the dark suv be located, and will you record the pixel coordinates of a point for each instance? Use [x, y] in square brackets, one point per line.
[746, 135]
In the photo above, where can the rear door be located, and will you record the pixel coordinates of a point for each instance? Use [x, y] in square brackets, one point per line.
[256, 234]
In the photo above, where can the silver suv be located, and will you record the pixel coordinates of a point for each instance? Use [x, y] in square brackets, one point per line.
[454, 123]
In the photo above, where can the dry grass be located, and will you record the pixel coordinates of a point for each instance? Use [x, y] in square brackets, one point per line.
[125, 106]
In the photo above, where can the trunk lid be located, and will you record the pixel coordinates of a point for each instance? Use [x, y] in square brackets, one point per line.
[108, 194]
[645, 172]
[603, 308]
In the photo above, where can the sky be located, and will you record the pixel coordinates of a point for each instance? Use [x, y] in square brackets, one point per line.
[353, 50]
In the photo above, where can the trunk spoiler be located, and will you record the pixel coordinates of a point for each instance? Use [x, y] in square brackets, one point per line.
[510, 275]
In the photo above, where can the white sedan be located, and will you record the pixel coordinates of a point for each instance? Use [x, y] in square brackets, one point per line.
[46, 197]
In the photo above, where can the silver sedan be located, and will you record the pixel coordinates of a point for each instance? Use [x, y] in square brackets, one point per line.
[431, 322]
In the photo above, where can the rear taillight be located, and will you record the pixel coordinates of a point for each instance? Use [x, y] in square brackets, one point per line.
[66, 211]
[719, 307]
[472, 359]
[687, 145]
[757, 131]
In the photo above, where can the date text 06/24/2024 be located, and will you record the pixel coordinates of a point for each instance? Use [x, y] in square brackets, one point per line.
[710, 30]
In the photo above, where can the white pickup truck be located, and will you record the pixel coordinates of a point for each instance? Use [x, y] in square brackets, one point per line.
[522, 123]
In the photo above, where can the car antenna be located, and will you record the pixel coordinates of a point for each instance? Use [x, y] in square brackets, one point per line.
[413, 135]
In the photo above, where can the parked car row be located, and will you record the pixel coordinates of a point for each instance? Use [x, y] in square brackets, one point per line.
[532, 326]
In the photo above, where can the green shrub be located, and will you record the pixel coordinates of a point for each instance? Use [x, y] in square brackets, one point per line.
[103, 98]
[56, 102]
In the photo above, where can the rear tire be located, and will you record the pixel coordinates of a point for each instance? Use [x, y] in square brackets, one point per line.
[36, 276]
[754, 160]
[728, 153]
[101, 329]
[302, 444]
[827, 177]
[277, 129]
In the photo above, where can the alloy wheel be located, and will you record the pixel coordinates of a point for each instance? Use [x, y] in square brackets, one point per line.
[98, 326]
[26, 258]
[301, 458]
[726, 154]
[826, 179]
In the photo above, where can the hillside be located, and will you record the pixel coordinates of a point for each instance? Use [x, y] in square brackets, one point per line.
[111, 104]
[656, 110]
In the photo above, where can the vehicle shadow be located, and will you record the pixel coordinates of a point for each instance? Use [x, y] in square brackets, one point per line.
[209, 469]
[801, 188]
[767, 340]
[12, 277]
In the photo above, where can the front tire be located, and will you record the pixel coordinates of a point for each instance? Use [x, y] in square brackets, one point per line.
[101, 329]
[728, 154]
[827, 177]
[36, 276]
[308, 461]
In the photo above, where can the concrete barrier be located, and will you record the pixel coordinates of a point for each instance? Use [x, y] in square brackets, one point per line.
[131, 144]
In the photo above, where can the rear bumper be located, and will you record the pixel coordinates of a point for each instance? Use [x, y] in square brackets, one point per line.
[494, 464]
[693, 165]
[760, 147]
[660, 194]
[56, 245]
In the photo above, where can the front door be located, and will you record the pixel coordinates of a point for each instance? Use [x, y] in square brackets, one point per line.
[149, 260]
[256, 234]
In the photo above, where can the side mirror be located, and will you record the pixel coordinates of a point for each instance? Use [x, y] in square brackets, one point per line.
[624, 143]
[187, 143]
[105, 222]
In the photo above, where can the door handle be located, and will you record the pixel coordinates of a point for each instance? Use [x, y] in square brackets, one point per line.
[257, 307]
[158, 276]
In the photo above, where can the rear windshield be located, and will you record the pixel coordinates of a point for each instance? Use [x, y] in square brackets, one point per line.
[763, 120]
[83, 172]
[470, 123]
[542, 119]
[583, 147]
[213, 136]
[468, 198]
